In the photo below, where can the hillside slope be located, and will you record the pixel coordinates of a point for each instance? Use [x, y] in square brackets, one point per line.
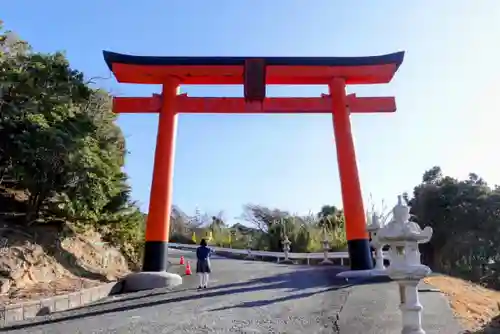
[49, 259]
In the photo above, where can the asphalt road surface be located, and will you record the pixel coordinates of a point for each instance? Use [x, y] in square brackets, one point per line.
[242, 297]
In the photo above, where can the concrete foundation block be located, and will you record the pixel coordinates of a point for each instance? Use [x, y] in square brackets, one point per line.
[150, 280]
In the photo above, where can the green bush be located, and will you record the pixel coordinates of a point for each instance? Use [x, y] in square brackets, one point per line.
[179, 238]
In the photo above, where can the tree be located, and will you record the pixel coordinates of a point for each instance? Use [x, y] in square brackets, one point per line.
[40, 123]
[179, 222]
[261, 217]
[465, 217]
[330, 217]
[217, 222]
[305, 232]
[60, 145]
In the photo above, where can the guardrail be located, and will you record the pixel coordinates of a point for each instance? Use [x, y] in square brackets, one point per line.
[278, 255]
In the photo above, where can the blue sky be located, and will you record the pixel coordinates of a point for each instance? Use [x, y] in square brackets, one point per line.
[446, 91]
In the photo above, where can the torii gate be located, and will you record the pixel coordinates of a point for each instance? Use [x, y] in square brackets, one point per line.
[254, 73]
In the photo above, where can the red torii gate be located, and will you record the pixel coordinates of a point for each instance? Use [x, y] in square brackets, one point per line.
[254, 73]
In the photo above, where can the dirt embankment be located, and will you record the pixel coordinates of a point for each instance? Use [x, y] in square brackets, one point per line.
[52, 259]
[477, 308]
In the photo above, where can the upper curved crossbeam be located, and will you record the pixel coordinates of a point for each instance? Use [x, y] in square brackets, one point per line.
[230, 70]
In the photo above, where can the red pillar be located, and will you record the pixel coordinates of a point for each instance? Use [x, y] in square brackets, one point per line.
[160, 201]
[357, 236]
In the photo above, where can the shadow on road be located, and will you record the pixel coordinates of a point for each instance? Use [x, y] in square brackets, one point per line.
[279, 281]
[294, 281]
[265, 302]
[323, 279]
[316, 277]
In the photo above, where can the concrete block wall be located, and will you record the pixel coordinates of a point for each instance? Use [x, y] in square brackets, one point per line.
[10, 314]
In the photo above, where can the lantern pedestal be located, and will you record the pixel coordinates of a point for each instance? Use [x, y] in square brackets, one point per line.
[326, 248]
[286, 250]
[403, 237]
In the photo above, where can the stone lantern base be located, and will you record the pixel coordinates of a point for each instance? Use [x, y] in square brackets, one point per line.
[286, 261]
[249, 255]
[326, 262]
[362, 273]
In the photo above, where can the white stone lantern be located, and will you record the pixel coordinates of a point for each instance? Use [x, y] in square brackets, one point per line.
[286, 247]
[373, 229]
[403, 236]
[249, 249]
[286, 243]
[326, 248]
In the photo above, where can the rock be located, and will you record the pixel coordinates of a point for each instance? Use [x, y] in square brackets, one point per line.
[110, 277]
[11, 266]
[5, 285]
[43, 273]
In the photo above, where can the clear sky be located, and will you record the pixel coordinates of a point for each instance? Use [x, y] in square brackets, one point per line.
[447, 92]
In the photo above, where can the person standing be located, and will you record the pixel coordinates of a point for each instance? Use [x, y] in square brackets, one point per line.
[203, 268]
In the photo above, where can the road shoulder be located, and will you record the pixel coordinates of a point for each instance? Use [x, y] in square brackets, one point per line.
[374, 308]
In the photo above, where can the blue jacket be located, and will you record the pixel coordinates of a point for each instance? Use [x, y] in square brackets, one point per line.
[203, 253]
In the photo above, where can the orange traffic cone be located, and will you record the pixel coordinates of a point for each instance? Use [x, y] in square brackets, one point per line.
[188, 268]
[182, 260]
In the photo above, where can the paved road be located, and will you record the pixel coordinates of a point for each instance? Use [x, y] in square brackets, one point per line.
[243, 297]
